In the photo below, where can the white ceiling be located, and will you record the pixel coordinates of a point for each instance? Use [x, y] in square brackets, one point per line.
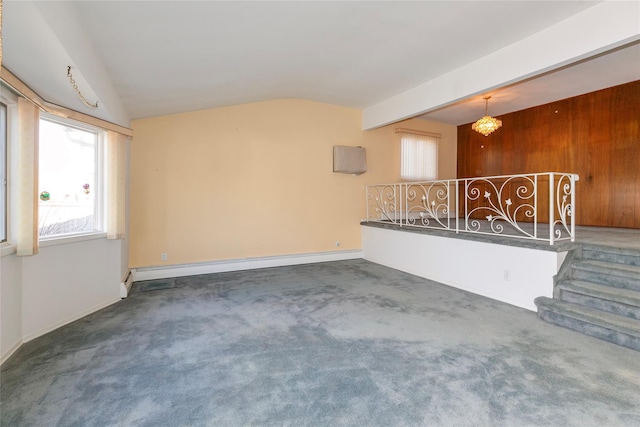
[162, 57]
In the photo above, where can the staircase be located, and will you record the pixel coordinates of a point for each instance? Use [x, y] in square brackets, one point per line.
[597, 293]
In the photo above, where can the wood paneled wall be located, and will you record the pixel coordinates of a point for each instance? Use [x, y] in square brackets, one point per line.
[596, 135]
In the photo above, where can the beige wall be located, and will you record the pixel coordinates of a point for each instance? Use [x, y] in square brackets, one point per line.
[256, 180]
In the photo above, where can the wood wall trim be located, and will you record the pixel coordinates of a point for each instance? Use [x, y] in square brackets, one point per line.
[26, 92]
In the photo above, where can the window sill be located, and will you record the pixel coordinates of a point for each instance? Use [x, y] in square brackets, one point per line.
[63, 240]
[7, 249]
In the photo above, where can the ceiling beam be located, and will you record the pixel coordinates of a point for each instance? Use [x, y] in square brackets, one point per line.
[601, 28]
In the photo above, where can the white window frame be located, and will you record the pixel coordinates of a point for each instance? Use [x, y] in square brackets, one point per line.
[411, 167]
[100, 185]
[4, 180]
[10, 100]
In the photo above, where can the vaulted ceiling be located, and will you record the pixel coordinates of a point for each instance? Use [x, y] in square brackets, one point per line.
[393, 59]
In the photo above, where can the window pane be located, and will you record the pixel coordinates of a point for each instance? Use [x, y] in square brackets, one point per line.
[418, 157]
[3, 172]
[67, 179]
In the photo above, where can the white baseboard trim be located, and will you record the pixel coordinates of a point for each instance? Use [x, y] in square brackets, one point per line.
[10, 352]
[67, 320]
[153, 273]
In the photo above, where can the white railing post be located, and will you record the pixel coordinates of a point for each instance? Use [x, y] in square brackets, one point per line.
[552, 208]
[535, 207]
[398, 201]
[466, 193]
[574, 178]
[406, 203]
[457, 205]
[366, 200]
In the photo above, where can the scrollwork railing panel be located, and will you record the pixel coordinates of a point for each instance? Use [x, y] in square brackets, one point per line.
[383, 203]
[503, 203]
[510, 206]
[564, 226]
[429, 204]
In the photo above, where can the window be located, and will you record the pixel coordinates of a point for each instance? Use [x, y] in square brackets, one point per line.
[3, 173]
[418, 155]
[70, 179]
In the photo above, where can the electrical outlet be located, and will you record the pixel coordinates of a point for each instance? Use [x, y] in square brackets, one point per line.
[337, 244]
[507, 276]
[163, 257]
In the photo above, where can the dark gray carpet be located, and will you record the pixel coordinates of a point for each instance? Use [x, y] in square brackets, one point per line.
[343, 343]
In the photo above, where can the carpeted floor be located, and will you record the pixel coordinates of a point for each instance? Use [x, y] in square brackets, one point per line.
[343, 343]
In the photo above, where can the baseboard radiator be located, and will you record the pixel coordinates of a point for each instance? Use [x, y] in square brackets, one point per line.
[125, 285]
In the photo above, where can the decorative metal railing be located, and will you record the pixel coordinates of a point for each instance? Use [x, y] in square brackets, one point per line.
[536, 206]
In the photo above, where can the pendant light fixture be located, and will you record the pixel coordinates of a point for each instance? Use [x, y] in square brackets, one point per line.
[486, 124]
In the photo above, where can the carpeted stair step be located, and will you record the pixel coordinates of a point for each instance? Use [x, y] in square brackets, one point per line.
[611, 254]
[607, 273]
[623, 302]
[599, 324]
